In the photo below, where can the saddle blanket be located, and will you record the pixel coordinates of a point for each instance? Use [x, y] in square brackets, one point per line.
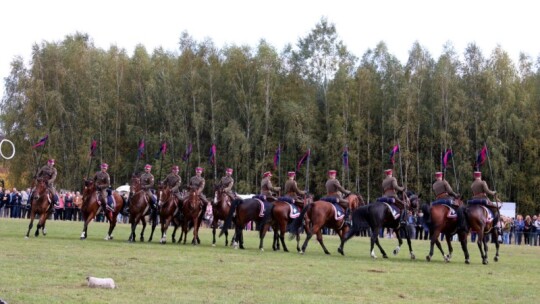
[396, 212]
[339, 213]
[330, 199]
[490, 215]
[295, 211]
[451, 212]
[264, 206]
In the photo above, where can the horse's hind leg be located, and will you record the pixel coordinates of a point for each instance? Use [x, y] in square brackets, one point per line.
[320, 240]
[495, 235]
[463, 241]
[112, 224]
[480, 243]
[282, 238]
[448, 237]
[375, 241]
[143, 221]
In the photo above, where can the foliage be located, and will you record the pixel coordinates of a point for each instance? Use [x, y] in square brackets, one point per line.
[248, 100]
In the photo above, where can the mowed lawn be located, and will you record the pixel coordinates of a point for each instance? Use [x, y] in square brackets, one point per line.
[53, 268]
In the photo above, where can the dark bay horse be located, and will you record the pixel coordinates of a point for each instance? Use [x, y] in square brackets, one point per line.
[192, 210]
[479, 220]
[139, 207]
[168, 212]
[377, 216]
[281, 218]
[443, 219]
[91, 206]
[40, 204]
[220, 211]
[245, 211]
[323, 214]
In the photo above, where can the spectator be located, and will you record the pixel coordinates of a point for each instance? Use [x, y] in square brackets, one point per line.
[519, 223]
[512, 231]
[6, 202]
[59, 209]
[24, 203]
[77, 203]
[15, 204]
[507, 224]
[411, 225]
[420, 226]
[537, 229]
[527, 227]
[68, 201]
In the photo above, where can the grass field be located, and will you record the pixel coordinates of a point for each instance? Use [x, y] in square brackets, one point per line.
[52, 269]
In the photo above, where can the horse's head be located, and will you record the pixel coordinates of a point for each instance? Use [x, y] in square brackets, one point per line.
[89, 186]
[135, 183]
[41, 186]
[412, 200]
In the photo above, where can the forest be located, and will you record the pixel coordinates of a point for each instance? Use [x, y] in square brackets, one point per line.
[251, 101]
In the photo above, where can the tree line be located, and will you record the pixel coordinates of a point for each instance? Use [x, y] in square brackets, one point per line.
[249, 101]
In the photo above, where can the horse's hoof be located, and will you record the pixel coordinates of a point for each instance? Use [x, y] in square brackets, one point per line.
[25, 237]
[413, 257]
[374, 257]
[286, 250]
[262, 249]
[385, 256]
[214, 245]
[496, 259]
[340, 251]
[428, 258]
[110, 237]
[395, 252]
[447, 260]
[162, 242]
[467, 262]
[301, 252]
[485, 261]
[82, 238]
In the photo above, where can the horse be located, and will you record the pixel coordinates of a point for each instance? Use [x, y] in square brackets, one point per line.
[220, 211]
[168, 212]
[91, 206]
[380, 215]
[478, 220]
[192, 210]
[246, 211]
[441, 218]
[281, 217]
[139, 206]
[323, 214]
[40, 204]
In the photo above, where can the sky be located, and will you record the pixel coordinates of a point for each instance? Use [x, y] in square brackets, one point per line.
[360, 24]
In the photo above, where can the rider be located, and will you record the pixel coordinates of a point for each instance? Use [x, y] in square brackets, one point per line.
[480, 191]
[443, 191]
[198, 183]
[390, 188]
[174, 181]
[266, 187]
[226, 183]
[291, 188]
[334, 189]
[48, 174]
[102, 181]
[147, 182]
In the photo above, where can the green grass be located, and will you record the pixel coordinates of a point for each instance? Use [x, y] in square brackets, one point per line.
[52, 269]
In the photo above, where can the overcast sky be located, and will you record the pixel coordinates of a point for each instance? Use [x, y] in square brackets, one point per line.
[360, 24]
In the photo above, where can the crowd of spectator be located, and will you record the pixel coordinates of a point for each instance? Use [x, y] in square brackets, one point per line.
[14, 204]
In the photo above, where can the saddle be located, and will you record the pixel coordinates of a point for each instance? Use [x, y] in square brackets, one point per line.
[330, 199]
[386, 199]
[443, 201]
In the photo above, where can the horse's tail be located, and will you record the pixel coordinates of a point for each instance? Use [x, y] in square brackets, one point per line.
[426, 210]
[297, 222]
[228, 221]
[359, 219]
[462, 217]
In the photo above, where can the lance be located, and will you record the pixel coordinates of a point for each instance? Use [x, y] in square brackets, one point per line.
[455, 173]
[279, 164]
[490, 169]
[138, 156]
[400, 165]
[307, 169]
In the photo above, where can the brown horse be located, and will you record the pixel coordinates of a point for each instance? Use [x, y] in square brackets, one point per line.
[220, 211]
[193, 213]
[322, 214]
[377, 216]
[40, 204]
[243, 212]
[443, 219]
[91, 206]
[281, 217]
[171, 207]
[139, 206]
[479, 221]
